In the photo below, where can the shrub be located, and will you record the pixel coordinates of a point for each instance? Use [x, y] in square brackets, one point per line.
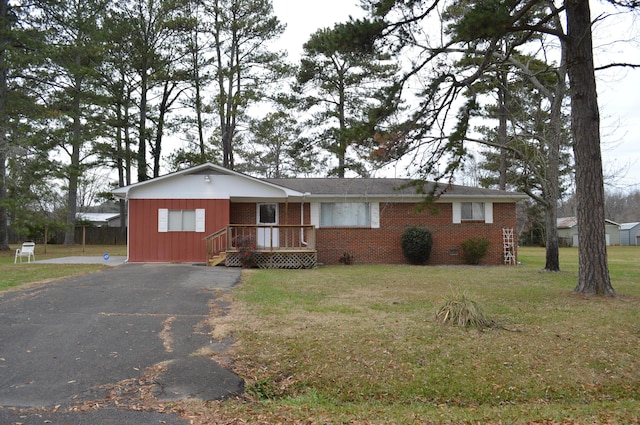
[416, 244]
[247, 251]
[347, 259]
[474, 250]
[460, 310]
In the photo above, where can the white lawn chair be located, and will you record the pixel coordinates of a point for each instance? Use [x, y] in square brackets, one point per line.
[28, 250]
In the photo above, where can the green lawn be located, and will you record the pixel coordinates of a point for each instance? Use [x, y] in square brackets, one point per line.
[359, 344]
[16, 275]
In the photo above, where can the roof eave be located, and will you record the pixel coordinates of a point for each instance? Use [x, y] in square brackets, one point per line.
[419, 197]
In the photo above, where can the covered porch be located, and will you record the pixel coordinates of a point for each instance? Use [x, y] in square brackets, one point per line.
[263, 246]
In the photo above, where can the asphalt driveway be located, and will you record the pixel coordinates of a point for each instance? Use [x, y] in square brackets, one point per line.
[77, 350]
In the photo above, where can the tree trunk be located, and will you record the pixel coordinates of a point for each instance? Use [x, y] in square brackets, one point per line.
[503, 99]
[200, 122]
[552, 258]
[142, 136]
[593, 273]
[4, 231]
[128, 155]
[342, 131]
[552, 184]
[74, 166]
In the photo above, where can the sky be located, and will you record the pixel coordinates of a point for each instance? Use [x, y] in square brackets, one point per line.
[618, 90]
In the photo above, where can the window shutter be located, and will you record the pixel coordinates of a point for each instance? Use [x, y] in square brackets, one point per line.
[457, 212]
[163, 220]
[375, 215]
[315, 213]
[200, 224]
[488, 212]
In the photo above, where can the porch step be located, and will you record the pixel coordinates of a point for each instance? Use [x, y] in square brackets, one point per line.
[217, 259]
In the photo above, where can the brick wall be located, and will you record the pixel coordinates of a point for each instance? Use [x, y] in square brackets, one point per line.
[382, 246]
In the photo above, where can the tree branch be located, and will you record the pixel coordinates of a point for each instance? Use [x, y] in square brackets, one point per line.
[618, 64]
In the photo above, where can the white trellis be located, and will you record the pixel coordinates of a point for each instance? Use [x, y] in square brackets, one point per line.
[509, 252]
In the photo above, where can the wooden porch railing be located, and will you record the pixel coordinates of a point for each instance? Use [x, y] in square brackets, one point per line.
[216, 243]
[261, 238]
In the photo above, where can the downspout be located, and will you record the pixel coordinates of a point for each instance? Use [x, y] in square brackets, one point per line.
[302, 241]
[126, 217]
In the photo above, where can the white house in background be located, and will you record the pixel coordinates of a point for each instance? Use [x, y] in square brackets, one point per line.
[630, 233]
[568, 231]
[100, 219]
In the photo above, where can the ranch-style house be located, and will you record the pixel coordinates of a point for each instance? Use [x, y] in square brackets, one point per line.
[209, 214]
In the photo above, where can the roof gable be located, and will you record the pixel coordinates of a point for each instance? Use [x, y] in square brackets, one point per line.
[206, 181]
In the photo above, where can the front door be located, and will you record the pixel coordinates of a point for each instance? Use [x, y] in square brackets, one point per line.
[268, 237]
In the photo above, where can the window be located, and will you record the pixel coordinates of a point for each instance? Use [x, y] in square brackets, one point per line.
[181, 220]
[267, 213]
[472, 211]
[345, 214]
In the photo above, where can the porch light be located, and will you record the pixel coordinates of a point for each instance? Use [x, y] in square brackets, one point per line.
[207, 179]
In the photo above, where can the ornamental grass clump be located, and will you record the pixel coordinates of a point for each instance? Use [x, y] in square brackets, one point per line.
[460, 310]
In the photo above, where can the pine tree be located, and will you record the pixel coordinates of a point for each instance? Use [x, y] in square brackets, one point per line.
[243, 64]
[338, 85]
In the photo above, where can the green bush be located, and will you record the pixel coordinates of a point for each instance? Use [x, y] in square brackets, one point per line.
[474, 250]
[416, 244]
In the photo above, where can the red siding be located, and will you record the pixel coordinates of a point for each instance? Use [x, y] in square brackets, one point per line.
[146, 244]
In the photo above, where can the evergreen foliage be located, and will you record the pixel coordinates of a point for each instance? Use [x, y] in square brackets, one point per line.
[338, 82]
[474, 250]
[416, 244]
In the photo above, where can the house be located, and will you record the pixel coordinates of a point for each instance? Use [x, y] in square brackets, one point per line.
[207, 212]
[568, 231]
[100, 219]
[630, 233]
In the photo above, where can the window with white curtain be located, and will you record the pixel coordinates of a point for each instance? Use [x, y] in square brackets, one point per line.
[472, 210]
[345, 214]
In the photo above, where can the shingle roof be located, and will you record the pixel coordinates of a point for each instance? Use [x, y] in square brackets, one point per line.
[381, 187]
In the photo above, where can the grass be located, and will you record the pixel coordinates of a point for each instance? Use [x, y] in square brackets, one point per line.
[360, 344]
[17, 275]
